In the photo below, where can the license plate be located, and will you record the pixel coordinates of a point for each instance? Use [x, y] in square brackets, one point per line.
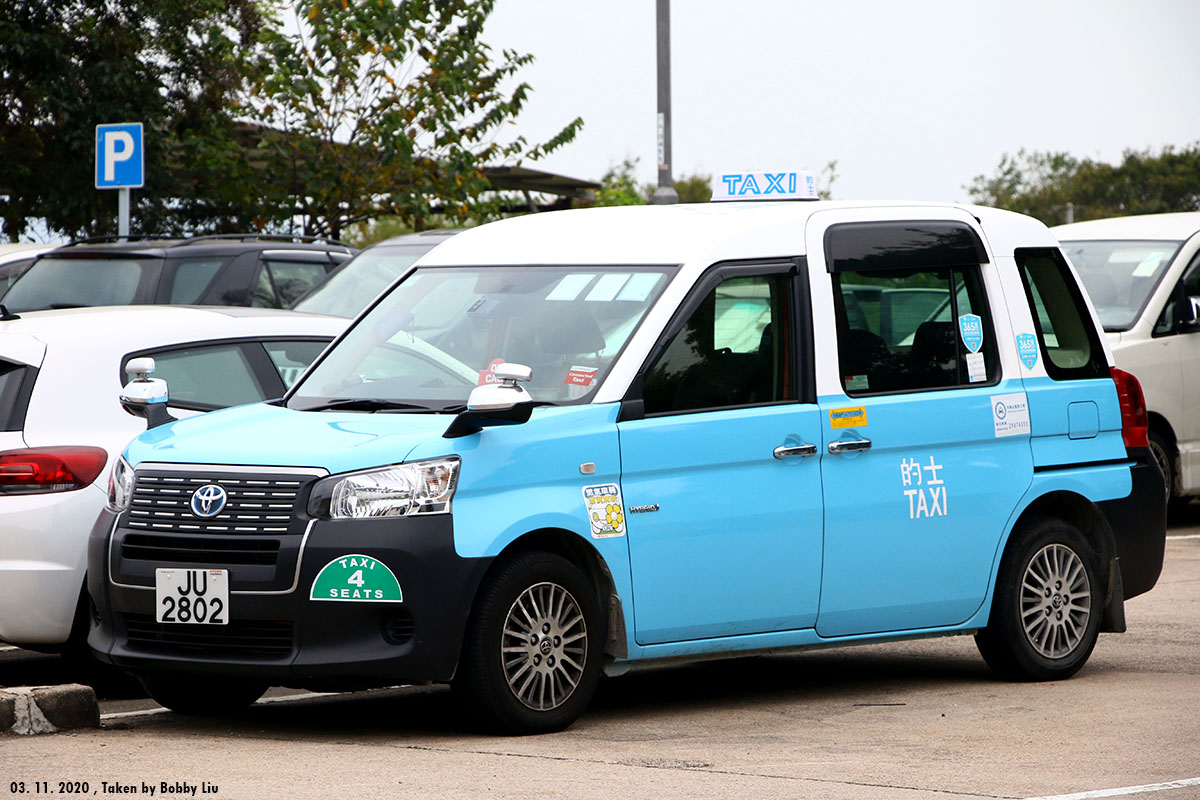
[192, 596]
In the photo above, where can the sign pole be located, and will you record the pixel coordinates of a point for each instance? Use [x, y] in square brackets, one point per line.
[123, 213]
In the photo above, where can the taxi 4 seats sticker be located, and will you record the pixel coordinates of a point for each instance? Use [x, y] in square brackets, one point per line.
[605, 510]
[356, 577]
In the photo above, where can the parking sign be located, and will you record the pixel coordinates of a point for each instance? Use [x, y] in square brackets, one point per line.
[119, 162]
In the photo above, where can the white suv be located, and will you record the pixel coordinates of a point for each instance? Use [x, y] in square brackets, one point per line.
[1143, 275]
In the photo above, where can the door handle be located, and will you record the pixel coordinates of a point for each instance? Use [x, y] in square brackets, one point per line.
[797, 450]
[852, 446]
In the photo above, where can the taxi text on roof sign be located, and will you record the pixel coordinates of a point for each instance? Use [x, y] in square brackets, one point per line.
[784, 185]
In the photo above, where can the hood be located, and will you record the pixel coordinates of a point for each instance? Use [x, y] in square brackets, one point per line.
[266, 435]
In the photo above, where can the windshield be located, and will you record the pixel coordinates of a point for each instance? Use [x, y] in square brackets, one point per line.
[73, 282]
[439, 333]
[349, 289]
[1120, 276]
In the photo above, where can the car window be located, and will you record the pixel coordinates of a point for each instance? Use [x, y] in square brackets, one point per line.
[732, 351]
[10, 271]
[349, 289]
[12, 377]
[290, 359]
[1120, 276]
[1186, 293]
[192, 278]
[913, 330]
[208, 376]
[71, 282]
[293, 278]
[1067, 339]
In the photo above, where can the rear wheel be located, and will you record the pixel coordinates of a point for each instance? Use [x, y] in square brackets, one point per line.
[531, 658]
[1047, 606]
[1164, 455]
[203, 697]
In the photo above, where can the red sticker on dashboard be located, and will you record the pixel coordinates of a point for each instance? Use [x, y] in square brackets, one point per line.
[580, 376]
[488, 376]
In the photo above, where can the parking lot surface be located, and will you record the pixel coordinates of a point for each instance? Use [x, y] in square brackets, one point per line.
[918, 720]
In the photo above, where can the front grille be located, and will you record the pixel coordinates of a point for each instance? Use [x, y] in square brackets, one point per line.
[258, 503]
[266, 638]
[199, 550]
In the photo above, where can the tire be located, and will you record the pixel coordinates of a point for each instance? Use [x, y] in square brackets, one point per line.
[531, 656]
[1047, 607]
[201, 696]
[1164, 454]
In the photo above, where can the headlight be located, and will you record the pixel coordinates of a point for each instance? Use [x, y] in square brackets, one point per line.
[120, 486]
[415, 488]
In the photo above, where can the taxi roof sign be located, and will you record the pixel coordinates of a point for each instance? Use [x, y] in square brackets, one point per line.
[783, 185]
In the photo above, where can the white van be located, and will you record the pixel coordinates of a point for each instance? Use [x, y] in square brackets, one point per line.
[1143, 276]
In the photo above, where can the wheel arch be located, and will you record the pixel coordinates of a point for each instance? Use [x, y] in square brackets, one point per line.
[1083, 514]
[582, 554]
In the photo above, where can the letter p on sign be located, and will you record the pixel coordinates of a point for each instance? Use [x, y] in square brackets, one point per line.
[119, 161]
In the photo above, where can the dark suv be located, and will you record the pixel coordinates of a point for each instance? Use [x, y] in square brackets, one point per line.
[258, 270]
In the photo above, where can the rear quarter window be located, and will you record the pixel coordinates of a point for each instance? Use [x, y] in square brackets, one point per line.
[1068, 340]
[16, 384]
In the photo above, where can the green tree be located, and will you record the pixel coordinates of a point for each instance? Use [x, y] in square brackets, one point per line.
[374, 109]
[68, 65]
[1043, 185]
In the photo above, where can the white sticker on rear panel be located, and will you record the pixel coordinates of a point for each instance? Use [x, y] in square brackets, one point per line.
[606, 512]
[1010, 414]
[976, 368]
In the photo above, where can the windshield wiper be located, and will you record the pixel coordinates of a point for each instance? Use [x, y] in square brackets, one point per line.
[365, 404]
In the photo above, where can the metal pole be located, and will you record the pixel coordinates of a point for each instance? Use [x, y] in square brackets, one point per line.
[123, 213]
[665, 194]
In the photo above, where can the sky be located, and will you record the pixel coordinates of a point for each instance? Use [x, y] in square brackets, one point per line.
[912, 98]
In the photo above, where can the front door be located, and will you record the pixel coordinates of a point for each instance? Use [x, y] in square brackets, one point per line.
[721, 476]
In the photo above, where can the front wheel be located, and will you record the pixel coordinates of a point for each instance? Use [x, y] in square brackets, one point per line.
[531, 658]
[1047, 606]
[202, 697]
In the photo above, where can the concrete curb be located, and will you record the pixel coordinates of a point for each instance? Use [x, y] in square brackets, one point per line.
[26, 710]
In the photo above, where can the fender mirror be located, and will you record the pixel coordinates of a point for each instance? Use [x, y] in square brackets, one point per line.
[144, 396]
[505, 402]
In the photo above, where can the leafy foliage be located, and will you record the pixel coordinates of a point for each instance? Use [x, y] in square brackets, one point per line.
[387, 109]
[68, 65]
[1043, 184]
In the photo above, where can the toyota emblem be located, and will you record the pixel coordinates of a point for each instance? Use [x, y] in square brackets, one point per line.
[209, 500]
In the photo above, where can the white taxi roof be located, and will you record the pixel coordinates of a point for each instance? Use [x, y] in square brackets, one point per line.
[699, 233]
[1166, 227]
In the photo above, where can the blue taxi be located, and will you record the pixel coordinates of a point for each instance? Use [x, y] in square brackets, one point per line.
[577, 443]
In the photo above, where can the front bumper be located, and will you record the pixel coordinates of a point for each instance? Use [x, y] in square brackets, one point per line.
[276, 632]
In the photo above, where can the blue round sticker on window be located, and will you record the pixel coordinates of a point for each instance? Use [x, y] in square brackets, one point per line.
[970, 326]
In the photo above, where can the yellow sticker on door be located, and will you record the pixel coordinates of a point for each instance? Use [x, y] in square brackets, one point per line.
[848, 417]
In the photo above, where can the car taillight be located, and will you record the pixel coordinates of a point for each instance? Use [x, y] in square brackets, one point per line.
[1135, 424]
[39, 470]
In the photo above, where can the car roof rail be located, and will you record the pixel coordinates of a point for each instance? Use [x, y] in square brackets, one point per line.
[266, 237]
[116, 239]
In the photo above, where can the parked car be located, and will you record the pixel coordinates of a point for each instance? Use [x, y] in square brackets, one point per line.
[1143, 275]
[352, 286]
[644, 435]
[244, 270]
[15, 259]
[61, 427]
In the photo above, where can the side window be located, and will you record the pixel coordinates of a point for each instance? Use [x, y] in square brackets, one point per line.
[292, 358]
[913, 330]
[293, 278]
[1068, 339]
[15, 381]
[1184, 303]
[211, 376]
[734, 350]
[191, 278]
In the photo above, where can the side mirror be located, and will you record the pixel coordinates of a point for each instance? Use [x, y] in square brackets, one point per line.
[504, 403]
[144, 396]
[1189, 314]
